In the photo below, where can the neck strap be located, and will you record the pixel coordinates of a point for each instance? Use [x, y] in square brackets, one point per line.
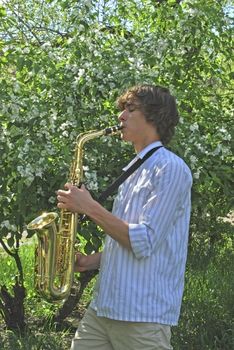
[114, 186]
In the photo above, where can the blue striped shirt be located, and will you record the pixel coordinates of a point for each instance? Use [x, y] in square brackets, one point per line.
[146, 284]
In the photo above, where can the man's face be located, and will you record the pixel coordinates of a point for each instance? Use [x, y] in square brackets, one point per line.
[135, 126]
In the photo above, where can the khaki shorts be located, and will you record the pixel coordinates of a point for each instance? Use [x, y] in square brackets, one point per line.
[100, 333]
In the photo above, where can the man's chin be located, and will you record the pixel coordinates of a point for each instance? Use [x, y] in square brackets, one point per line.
[125, 137]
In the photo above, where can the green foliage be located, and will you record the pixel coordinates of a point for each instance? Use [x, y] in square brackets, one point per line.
[207, 311]
[47, 340]
[62, 71]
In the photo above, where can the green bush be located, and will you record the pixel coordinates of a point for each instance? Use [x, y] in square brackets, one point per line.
[207, 317]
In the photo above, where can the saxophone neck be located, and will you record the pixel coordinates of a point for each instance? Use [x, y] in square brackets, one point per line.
[91, 134]
[76, 170]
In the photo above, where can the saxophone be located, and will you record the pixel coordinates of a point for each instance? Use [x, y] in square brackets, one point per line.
[55, 251]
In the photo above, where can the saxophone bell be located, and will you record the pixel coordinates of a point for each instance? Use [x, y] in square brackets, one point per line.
[42, 221]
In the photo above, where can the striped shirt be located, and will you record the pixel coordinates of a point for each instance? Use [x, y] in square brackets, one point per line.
[146, 284]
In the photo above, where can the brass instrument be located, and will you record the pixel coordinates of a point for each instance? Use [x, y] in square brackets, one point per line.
[55, 253]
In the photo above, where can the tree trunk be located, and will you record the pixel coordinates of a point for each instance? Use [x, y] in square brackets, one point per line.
[12, 307]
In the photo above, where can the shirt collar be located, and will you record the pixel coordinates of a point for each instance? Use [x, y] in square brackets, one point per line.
[142, 153]
[152, 145]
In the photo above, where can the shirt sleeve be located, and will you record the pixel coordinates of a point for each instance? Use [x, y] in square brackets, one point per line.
[169, 187]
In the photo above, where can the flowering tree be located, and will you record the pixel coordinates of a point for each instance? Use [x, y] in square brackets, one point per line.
[63, 63]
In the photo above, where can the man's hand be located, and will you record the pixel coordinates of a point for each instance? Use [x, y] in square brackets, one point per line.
[74, 199]
[87, 262]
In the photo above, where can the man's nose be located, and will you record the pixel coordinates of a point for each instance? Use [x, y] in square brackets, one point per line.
[123, 115]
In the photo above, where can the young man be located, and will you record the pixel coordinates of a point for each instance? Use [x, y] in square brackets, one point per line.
[139, 291]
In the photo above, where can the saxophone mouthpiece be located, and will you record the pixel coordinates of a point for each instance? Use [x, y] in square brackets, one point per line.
[112, 130]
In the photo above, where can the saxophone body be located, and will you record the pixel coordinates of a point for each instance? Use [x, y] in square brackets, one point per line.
[55, 251]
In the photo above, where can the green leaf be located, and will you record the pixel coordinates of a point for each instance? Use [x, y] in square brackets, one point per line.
[2, 11]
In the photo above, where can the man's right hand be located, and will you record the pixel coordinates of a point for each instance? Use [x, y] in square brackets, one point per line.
[87, 262]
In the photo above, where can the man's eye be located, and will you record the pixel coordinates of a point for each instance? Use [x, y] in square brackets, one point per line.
[130, 107]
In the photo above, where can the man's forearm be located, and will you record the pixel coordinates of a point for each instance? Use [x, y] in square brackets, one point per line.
[113, 226]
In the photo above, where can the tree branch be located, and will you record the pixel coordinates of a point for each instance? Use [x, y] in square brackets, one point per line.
[161, 1]
[51, 30]
[7, 250]
[27, 26]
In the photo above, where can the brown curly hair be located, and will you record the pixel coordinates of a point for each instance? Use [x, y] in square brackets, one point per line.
[158, 106]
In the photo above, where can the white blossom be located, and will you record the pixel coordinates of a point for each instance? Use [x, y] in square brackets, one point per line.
[70, 110]
[227, 137]
[63, 126]
[194, 127]
[196, 174]
[29, 180]
[46, 45]
[69, 99]
[75, 82]
[217, 150]
[81, 73]
[26, 50]
[193, 160]
[187, 150]
[223, 130]
[70, 40]
[39, 173]
[40, 191]
[91, 178]
[200, 147]
[8, 225]
[27, 173]
[52, 200]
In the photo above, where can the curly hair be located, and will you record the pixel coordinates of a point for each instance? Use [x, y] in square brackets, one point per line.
[158, 106]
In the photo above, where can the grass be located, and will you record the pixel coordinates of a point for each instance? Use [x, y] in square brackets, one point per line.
[207, 315]
[35, 341]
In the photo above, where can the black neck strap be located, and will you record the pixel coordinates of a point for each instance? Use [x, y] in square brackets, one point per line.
[114, 186]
